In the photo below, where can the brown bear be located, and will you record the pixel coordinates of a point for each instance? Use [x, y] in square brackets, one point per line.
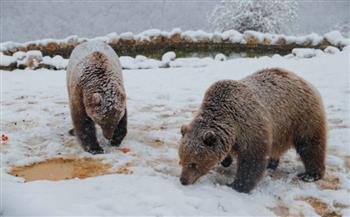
[257, 119]
[96, 94]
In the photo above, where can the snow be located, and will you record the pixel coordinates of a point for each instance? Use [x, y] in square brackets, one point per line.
[34, 53]
[144, 63]
[233, 35]
[196, 36]
[254, 34]
[126, 35]
[220, 57]
[19, 55]
[306, 52]
[7, 60]
[191, 62]
[159, 102]
[168, 56]
[57, 61]
[127, 62]
[335, 38]
[139, 62]
[313, 38]
[148, 34]
[30, 59]
[331, 50]
[346, 48]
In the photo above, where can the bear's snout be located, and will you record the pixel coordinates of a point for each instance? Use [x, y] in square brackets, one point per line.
[108, 132]
[183, 181]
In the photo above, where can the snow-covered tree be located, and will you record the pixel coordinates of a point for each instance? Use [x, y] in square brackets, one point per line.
[343, 28]
[274, 16]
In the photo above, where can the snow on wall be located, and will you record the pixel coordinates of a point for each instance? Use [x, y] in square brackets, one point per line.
[35, 60]
[154, 36]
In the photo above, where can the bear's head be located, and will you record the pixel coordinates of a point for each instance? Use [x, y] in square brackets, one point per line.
[200, 150]
[106, 111]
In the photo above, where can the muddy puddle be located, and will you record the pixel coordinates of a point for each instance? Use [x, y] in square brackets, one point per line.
[61, 169]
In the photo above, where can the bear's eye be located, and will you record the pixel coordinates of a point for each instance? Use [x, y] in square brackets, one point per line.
[193, 166]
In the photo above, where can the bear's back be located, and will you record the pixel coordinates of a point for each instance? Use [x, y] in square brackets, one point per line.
[277, 88]
[290, 100]
[79, 58]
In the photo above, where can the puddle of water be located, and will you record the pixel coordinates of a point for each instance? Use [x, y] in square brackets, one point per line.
[61, 169]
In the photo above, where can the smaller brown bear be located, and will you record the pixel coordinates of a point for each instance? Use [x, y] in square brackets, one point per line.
[257, 119]
[96, 94]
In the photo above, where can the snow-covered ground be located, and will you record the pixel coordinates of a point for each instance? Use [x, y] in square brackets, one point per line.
[35, 116]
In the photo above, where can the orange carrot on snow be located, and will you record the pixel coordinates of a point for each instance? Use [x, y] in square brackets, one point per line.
[124, 150]
[4, 138]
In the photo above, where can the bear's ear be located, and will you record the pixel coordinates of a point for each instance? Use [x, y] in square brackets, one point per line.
[210, 138]
[184, 129]
[96, 99]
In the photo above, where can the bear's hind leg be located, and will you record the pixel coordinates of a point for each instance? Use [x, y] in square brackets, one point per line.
[312, 150]
[120, 131]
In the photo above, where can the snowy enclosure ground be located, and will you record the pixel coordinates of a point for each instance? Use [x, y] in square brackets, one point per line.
[35, 116]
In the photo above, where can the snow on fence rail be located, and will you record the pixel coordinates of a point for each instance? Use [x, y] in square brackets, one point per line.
[155, 39]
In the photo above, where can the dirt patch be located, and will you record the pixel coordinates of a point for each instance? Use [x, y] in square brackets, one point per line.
[165, 166]
[280, 210]
[20, 125]
[125, 169]
[61, 169]
[167, 114]
[347, 162]
[320, 207]
[329, 182]
[339, 126]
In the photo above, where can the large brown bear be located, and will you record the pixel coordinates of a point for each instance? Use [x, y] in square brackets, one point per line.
[257, 118]
[96, 94]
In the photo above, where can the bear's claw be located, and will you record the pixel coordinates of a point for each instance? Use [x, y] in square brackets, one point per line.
[95, 150]
[116, 142]
[273, 164]
[309, 177]
[240, 186]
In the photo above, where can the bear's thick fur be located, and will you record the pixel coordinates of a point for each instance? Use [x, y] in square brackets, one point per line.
[257, 119]
[96, 94]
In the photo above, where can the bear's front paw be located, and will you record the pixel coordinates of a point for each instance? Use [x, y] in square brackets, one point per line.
[273, 164]
[309, 177]
[227, 161]
[94, 149]
[240, 186]
[116, 142]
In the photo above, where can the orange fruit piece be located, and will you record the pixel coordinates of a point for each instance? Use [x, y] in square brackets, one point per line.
[124, 150]
[4, 138]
